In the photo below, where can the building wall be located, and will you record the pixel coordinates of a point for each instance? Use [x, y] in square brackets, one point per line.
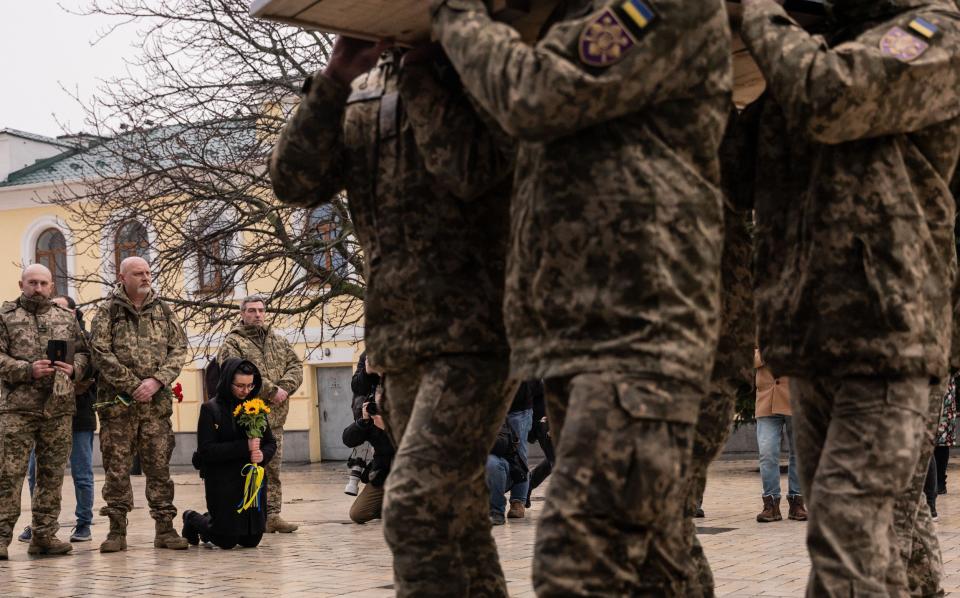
[16, 153]
[22, 219]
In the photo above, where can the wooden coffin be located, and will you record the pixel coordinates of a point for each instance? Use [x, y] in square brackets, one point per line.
[405, 21]
[408, 22]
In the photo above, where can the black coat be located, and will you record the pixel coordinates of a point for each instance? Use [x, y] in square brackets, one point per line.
[223, 452]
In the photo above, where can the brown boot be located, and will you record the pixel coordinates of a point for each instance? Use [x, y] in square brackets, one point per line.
[516, 510]
[117, 537]
[48, 545]
[167, 537]
[798, 512]
[771, 510]
[276, 524]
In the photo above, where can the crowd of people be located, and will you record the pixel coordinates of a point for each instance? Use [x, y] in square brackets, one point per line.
[590, 209]
[55, 374]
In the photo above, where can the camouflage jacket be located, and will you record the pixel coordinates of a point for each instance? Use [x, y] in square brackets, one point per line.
[733, 365]
[616, 218]
[274, 356]
[856, 144]
[24, 331]
[131, 345]
[429, 194]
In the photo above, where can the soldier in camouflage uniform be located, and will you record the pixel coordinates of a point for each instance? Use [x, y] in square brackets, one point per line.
[855, 259]
[139, 349]
[733, 365]
[612, 291]
[37, 407]
[429, 188]
[282, 374]
[916, 536]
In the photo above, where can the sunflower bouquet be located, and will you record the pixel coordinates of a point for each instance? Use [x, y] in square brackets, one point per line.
[251, 415]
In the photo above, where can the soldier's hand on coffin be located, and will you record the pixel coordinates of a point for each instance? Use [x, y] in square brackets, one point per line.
[424, 53]
[353, 57]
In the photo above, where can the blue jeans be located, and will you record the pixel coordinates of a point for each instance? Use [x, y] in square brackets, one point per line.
[81, 468]
[521, 422]
[498, 476]
[768, 439]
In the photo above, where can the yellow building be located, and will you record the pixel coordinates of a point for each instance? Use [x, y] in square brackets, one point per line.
[36, 231]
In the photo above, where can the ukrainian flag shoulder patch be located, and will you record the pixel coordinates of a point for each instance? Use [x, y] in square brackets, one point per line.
[637, 15]
[923, 27]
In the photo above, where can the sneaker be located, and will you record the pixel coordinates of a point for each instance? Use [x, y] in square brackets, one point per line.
[516, 510]
[497, 519]
[933, 513]
[81, 533]
[26, 535]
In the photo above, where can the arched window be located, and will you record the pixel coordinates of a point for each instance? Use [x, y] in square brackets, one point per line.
[323, 225]
[210, 265]
[51, 251]
[131, 240]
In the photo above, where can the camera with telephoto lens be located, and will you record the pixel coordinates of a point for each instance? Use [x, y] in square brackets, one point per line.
[356, 465]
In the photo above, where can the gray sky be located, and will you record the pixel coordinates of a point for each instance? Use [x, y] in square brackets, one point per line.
[42, 47]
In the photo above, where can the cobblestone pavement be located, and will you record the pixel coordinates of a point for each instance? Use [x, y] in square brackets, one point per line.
[329, 556]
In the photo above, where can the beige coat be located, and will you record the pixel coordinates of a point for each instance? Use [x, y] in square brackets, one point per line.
[773, 394]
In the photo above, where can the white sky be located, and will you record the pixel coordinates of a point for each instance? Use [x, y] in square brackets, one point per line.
[42, 47]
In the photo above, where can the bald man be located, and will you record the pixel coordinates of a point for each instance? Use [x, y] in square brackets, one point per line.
[37, 406]
[139, 348]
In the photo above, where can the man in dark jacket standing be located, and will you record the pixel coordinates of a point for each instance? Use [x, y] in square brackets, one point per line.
[619, 111]
[855, 261]
[429, 190]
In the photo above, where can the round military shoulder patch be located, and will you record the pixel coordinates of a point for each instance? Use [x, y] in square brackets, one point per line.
[899, 44]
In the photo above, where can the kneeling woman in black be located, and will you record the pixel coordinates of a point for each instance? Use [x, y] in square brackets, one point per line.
[223, 449]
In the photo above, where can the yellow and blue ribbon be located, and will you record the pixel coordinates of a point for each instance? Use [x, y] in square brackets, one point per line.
[251, 486]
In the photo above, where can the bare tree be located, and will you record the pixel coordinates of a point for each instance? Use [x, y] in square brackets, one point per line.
[180, 146]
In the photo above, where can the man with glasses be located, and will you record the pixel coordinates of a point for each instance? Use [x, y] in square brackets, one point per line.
[252, 339]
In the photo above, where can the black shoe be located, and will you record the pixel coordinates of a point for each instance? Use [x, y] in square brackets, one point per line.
[933, 513]
[699, 513]
[941, 490]
[190, 531]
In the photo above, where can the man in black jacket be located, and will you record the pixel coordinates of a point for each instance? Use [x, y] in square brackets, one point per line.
[370, 428]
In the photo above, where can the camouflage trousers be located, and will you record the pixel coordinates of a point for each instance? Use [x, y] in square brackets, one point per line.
[444, 415]
[277, 418]
[137, 431]
[712, 431]
[918, 543]
[52, 438]
[612, 523]
[858, 441]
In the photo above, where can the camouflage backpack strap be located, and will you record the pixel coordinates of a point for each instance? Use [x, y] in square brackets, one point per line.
[115, 310]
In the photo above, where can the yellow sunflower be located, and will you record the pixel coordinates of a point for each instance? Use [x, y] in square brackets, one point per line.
[236, 411]
[266, 409]
[250, 410]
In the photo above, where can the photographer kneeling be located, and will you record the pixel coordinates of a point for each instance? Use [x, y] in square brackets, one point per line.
[369, 427]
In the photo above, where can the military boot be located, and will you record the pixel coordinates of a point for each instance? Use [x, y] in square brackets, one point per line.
[3, 553]
[48, 545]
[117, 536]
[275, 524]
[771, 510]
[798, 512]
[167, 537]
